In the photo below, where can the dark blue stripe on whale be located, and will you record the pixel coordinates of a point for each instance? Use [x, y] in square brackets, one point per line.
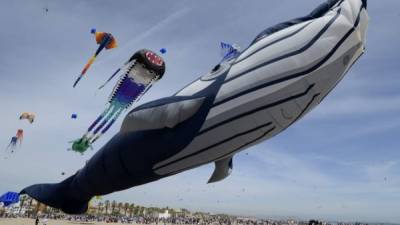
[237, 118]
[316, 13]
[327, 57]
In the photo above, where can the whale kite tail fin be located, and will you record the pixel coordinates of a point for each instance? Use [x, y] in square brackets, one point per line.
[58, 195]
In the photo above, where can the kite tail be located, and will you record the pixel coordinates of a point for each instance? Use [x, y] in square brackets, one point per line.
[95, 123]
[102, 115]
[108, 125]
[105, 121]
[77, 80]
[91, 60]
[12, 145]
[109, 79]
[113, 75]
[7, 149]
[112, 121]
[60, 195]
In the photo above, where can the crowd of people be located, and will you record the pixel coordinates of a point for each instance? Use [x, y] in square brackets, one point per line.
[114, 212]
[181, 220]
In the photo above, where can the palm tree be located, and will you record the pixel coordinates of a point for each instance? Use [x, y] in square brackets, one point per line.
[107, 203]
[30, 206]
[140, 211]
[172, 212]
[22, 200]
[136, 210]
[120, 205]
[131, 209]
[150, 210]
[99, 207]
[143, 211]
[126, 207]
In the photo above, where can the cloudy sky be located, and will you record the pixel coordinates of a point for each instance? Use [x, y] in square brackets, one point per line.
[340, 162]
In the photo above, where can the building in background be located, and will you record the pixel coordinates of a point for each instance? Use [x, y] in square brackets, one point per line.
[164, 215]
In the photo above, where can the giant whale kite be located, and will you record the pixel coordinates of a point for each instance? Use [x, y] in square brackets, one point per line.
[285, 72]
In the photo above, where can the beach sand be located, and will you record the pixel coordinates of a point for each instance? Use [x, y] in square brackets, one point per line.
[19, 221]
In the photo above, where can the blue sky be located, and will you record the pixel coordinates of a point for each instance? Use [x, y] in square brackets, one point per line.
[340, 162]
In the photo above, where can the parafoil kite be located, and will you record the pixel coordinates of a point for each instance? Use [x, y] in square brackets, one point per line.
[74, 116]
[142, 70]
[28, 116]
[104, 40]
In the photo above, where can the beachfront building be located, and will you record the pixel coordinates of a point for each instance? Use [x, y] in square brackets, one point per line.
[164, 215]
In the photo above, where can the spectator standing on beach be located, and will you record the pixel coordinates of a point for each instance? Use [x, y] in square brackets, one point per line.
[37, 221]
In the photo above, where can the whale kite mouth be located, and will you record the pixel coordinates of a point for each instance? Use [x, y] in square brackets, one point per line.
[153, 58]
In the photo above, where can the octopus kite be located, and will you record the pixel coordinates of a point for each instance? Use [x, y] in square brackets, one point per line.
[142, 70]
[13, 144]
[104, 40]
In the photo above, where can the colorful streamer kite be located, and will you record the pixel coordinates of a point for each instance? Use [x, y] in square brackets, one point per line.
[142, 70]
[104, 40]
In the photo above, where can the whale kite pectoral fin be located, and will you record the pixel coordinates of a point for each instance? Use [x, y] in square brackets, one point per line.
[223, 168]
[158, 117]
